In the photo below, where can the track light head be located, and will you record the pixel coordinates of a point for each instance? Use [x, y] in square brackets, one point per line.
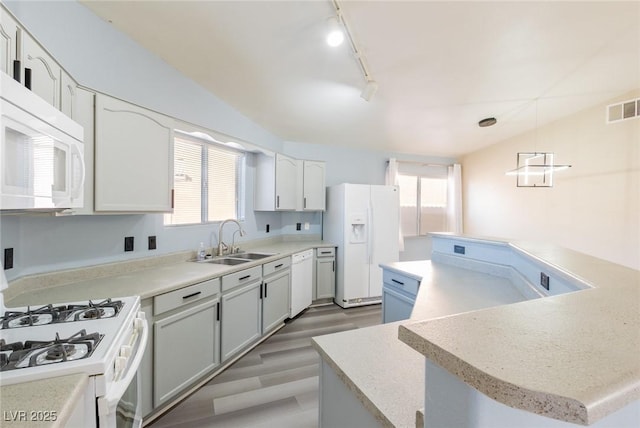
[335, 36]
[369, 90]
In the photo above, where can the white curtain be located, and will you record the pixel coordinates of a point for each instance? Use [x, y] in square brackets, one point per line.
[454, 198]
[392, 179]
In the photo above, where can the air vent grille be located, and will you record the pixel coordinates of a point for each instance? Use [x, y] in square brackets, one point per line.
[623, 111]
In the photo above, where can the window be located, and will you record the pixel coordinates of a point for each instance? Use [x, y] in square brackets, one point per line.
[423, 204]
[208, 182]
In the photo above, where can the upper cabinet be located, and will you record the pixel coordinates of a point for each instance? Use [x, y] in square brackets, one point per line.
[133, 158]
[8, 42]
[41, 72]
[287, 184]
[313, 185]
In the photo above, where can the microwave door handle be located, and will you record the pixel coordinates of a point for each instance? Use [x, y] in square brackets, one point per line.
[75, 192]
[113, 396]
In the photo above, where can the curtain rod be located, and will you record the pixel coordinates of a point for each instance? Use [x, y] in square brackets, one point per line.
[423, 163]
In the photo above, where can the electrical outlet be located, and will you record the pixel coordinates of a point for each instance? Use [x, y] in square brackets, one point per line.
[152, 243]
[8, 258]
[306, 226]
[544, 280]
[267, 228]
[298, 226]
[128, 243]
[459, 249]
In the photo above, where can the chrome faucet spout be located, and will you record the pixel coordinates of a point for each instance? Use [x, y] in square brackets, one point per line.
[222, 247]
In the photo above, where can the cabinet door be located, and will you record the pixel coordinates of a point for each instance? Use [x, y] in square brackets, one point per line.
[275, 301]
[313, 187]
[241, 316]
[45, 72]
[8, 30]
[68, 92]
[186, 347]
[325, 278]
[395, 306]
[286, 184]
[83, 113]
[133, 158]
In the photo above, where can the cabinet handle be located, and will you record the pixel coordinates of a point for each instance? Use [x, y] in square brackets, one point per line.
[278, 266]
[242, 278]
[16, 70]
[397, 282]
[333, 266]
[218, 311]
[278, 201]
[305, 202]
[191, 295]
[27, 78]
[325, 252]
[265, 290]
[261, 285]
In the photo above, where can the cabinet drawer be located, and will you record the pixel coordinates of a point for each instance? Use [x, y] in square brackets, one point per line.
[325, 252]
[275, 266]
[184, 296]
[401, 282]
[243, 277]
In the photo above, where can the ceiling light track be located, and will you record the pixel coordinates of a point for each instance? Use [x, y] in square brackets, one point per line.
[371, 85]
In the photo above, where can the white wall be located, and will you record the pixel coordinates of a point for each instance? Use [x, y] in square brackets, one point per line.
[593, 207]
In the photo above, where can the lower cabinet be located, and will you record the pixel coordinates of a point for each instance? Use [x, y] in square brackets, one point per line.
[241, 318]
[325, 273]
[275, 293]
[186, 319]
[398, 296]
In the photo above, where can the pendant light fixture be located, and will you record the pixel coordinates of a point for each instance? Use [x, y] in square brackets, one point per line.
[337, 24]
[535, 169]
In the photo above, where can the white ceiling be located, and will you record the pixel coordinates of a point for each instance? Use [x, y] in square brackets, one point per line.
[440, 66]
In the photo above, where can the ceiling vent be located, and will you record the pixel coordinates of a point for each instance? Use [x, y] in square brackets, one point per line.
[623, 111]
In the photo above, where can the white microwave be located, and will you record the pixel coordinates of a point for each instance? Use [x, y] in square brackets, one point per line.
[41, 153]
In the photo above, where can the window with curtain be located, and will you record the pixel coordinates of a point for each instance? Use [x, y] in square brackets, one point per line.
[208, 182]
[423, 203]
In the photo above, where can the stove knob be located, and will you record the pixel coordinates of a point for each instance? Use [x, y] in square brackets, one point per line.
[119, 364]
[125, 351]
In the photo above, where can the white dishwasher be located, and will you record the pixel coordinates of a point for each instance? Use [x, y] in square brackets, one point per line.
[301, 282]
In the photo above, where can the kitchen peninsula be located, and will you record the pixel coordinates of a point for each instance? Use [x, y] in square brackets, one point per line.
[555, 361]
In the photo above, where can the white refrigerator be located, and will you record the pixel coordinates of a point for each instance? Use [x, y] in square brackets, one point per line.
[362, 220]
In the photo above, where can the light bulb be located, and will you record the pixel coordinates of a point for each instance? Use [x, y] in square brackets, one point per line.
[335, 37]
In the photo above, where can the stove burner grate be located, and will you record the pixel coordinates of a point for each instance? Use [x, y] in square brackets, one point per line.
[34, 353]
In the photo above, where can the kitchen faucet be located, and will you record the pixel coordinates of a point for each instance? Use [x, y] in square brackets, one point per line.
[222, 247]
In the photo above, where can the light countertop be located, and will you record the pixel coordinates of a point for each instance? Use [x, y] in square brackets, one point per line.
[572, 357]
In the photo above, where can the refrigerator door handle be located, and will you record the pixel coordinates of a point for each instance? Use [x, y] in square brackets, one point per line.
[370, 232]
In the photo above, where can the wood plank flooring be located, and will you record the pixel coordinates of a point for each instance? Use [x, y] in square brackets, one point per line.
[276, 384]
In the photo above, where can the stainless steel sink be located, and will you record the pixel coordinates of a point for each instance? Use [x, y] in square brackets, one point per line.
[227, 261]
[250, 256]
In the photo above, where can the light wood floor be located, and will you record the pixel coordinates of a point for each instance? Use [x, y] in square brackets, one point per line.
[276, 384]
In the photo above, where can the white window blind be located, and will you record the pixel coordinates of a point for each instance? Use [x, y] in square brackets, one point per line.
[423, 201]
[208, 182]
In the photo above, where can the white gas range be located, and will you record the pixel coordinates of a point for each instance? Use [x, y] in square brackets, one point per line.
[104, 339]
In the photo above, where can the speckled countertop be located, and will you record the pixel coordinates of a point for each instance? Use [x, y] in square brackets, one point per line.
[572, 357]
[144, 277]
[42, 403]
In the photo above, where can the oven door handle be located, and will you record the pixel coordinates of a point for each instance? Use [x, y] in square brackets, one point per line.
[107, 404]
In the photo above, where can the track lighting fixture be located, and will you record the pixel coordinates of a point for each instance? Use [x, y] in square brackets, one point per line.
[369, 90]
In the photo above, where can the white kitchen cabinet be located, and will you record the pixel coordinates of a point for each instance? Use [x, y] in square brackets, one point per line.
[241, 314]
[8, 35]
[313, 195]
[276, 183]
[275, 293]
[133, 158]
[287, 184]
[186, 342]
[398, 296]
[68, 93]
[325, 274]
[45, 71]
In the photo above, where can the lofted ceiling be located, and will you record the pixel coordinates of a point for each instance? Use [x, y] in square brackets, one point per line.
[440, 66]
